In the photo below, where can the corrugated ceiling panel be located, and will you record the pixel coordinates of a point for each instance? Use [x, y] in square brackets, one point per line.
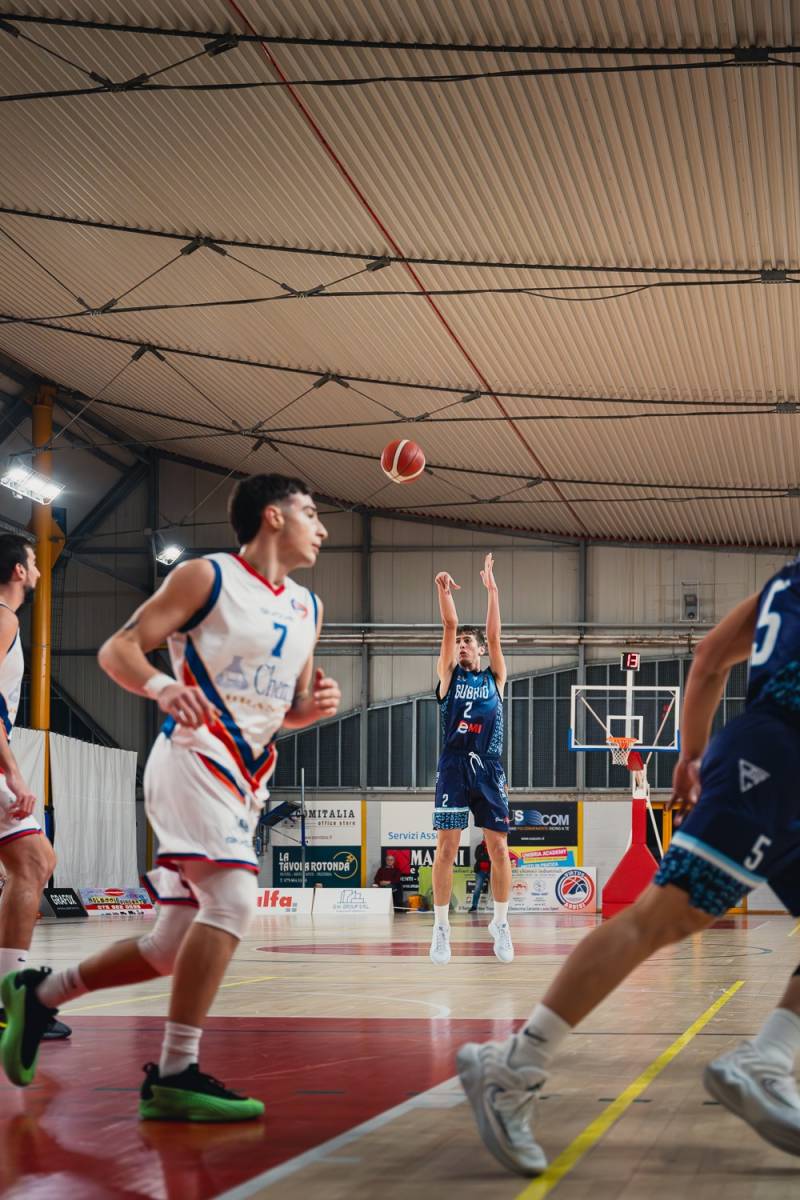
[684, 169]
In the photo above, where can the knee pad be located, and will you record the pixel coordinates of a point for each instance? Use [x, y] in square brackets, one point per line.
[226, 896]
[161, 945]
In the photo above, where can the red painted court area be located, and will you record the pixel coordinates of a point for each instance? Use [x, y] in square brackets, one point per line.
[75, 1134]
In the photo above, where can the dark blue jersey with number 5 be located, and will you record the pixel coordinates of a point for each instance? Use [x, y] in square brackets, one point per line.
[472, 714]
[774, 680]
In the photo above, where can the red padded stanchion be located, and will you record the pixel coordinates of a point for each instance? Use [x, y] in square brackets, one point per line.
[635, 869]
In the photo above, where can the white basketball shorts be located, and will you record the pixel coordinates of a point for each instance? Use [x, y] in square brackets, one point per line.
[13, 827]
[197, 810]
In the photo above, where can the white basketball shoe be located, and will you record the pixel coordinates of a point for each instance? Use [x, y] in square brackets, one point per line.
[503, 946]
[760, 1092]
[503, 1099]
[440, 945]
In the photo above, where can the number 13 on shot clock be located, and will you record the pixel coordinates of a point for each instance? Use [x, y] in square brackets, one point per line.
[630, 660]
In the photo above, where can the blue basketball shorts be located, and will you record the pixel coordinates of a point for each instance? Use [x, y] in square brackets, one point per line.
[469, 783]
[745, 828]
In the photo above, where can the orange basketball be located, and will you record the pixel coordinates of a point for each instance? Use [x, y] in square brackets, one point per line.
[402, 461]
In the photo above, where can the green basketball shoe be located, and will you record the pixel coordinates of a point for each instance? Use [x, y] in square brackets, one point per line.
[192, 1096]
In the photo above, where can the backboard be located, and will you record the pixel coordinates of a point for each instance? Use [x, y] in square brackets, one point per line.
[651, 715]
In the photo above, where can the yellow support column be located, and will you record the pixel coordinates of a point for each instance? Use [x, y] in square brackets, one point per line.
[42, 617]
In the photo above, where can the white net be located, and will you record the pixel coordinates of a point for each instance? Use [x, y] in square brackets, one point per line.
[620, 748]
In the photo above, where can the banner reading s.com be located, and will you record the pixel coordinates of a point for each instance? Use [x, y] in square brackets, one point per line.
[544, 833]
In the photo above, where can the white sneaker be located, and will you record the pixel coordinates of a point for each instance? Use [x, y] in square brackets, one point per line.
[440, 945]
[503, 1100]
[503, 946]
[761, 1093]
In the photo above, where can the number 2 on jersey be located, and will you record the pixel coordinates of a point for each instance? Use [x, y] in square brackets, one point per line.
[770, 623]
[278, 647]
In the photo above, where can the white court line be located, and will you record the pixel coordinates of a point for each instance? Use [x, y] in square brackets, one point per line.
[442, 1095]
[441, 1010]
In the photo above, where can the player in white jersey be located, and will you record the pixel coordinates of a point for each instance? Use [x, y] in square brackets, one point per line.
[26, 856]
[241, 636]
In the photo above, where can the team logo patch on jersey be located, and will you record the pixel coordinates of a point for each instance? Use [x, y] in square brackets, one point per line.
[750, 775]
[233, 676]
[298, 606]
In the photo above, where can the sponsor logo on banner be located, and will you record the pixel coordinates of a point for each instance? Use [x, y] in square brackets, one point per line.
[549, 823]
[375, 902]
[542, 856]
[338, 866]
[409, 860]
[410, 823]
[551, 889]
[120, 902]
[63, 902]
[282, 901]
[575, 890]
[326, 823]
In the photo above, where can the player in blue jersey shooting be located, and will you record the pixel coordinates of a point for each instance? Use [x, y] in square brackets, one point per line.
[741, 829]
[470, 776]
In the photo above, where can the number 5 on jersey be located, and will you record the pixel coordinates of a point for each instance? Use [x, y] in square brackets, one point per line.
[770, 624]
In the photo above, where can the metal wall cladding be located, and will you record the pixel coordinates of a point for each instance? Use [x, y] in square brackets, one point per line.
[667, 169]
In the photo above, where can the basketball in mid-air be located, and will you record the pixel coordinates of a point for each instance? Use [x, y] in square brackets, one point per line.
[402, 460]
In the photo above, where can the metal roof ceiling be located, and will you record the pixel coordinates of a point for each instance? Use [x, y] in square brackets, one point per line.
[645, 414]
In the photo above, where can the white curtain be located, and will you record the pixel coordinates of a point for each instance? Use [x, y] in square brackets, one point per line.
[27, 746]
[94, 799]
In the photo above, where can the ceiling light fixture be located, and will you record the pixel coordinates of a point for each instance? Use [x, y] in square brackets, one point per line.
[23, 481]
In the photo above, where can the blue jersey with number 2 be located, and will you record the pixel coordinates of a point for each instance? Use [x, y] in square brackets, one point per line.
[471, 714]
[774, 680]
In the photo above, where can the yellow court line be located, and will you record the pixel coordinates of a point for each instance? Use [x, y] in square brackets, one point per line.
[73, 1012]
[584, 1142]
[792, 932]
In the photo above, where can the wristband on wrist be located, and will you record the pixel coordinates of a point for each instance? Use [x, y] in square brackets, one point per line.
[155, 685]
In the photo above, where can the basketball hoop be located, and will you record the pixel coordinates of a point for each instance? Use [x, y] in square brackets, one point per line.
[620, 748]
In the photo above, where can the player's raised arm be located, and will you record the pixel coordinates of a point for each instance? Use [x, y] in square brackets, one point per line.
[496, 660]
[317, 697]
[728, 643]
[447, 609]
[124, 655]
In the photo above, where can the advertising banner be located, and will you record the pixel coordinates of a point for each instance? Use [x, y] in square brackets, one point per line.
[409, 859]
[62, 902]
[116, 902]
[328, 823]
[338, 866]
[544, 834]
[463, 880]
[365, 902]
[283, 902]
[551, 889]
[545, 890]
[410, 823]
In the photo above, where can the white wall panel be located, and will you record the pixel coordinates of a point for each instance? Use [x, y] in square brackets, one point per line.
[606, 828]
[346, 670]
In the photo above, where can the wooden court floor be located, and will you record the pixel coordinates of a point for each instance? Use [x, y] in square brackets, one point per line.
[347, 1032]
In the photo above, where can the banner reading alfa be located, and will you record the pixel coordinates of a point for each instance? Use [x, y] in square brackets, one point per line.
[337, 866]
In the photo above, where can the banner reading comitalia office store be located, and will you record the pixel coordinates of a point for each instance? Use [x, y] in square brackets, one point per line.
[544, 833]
